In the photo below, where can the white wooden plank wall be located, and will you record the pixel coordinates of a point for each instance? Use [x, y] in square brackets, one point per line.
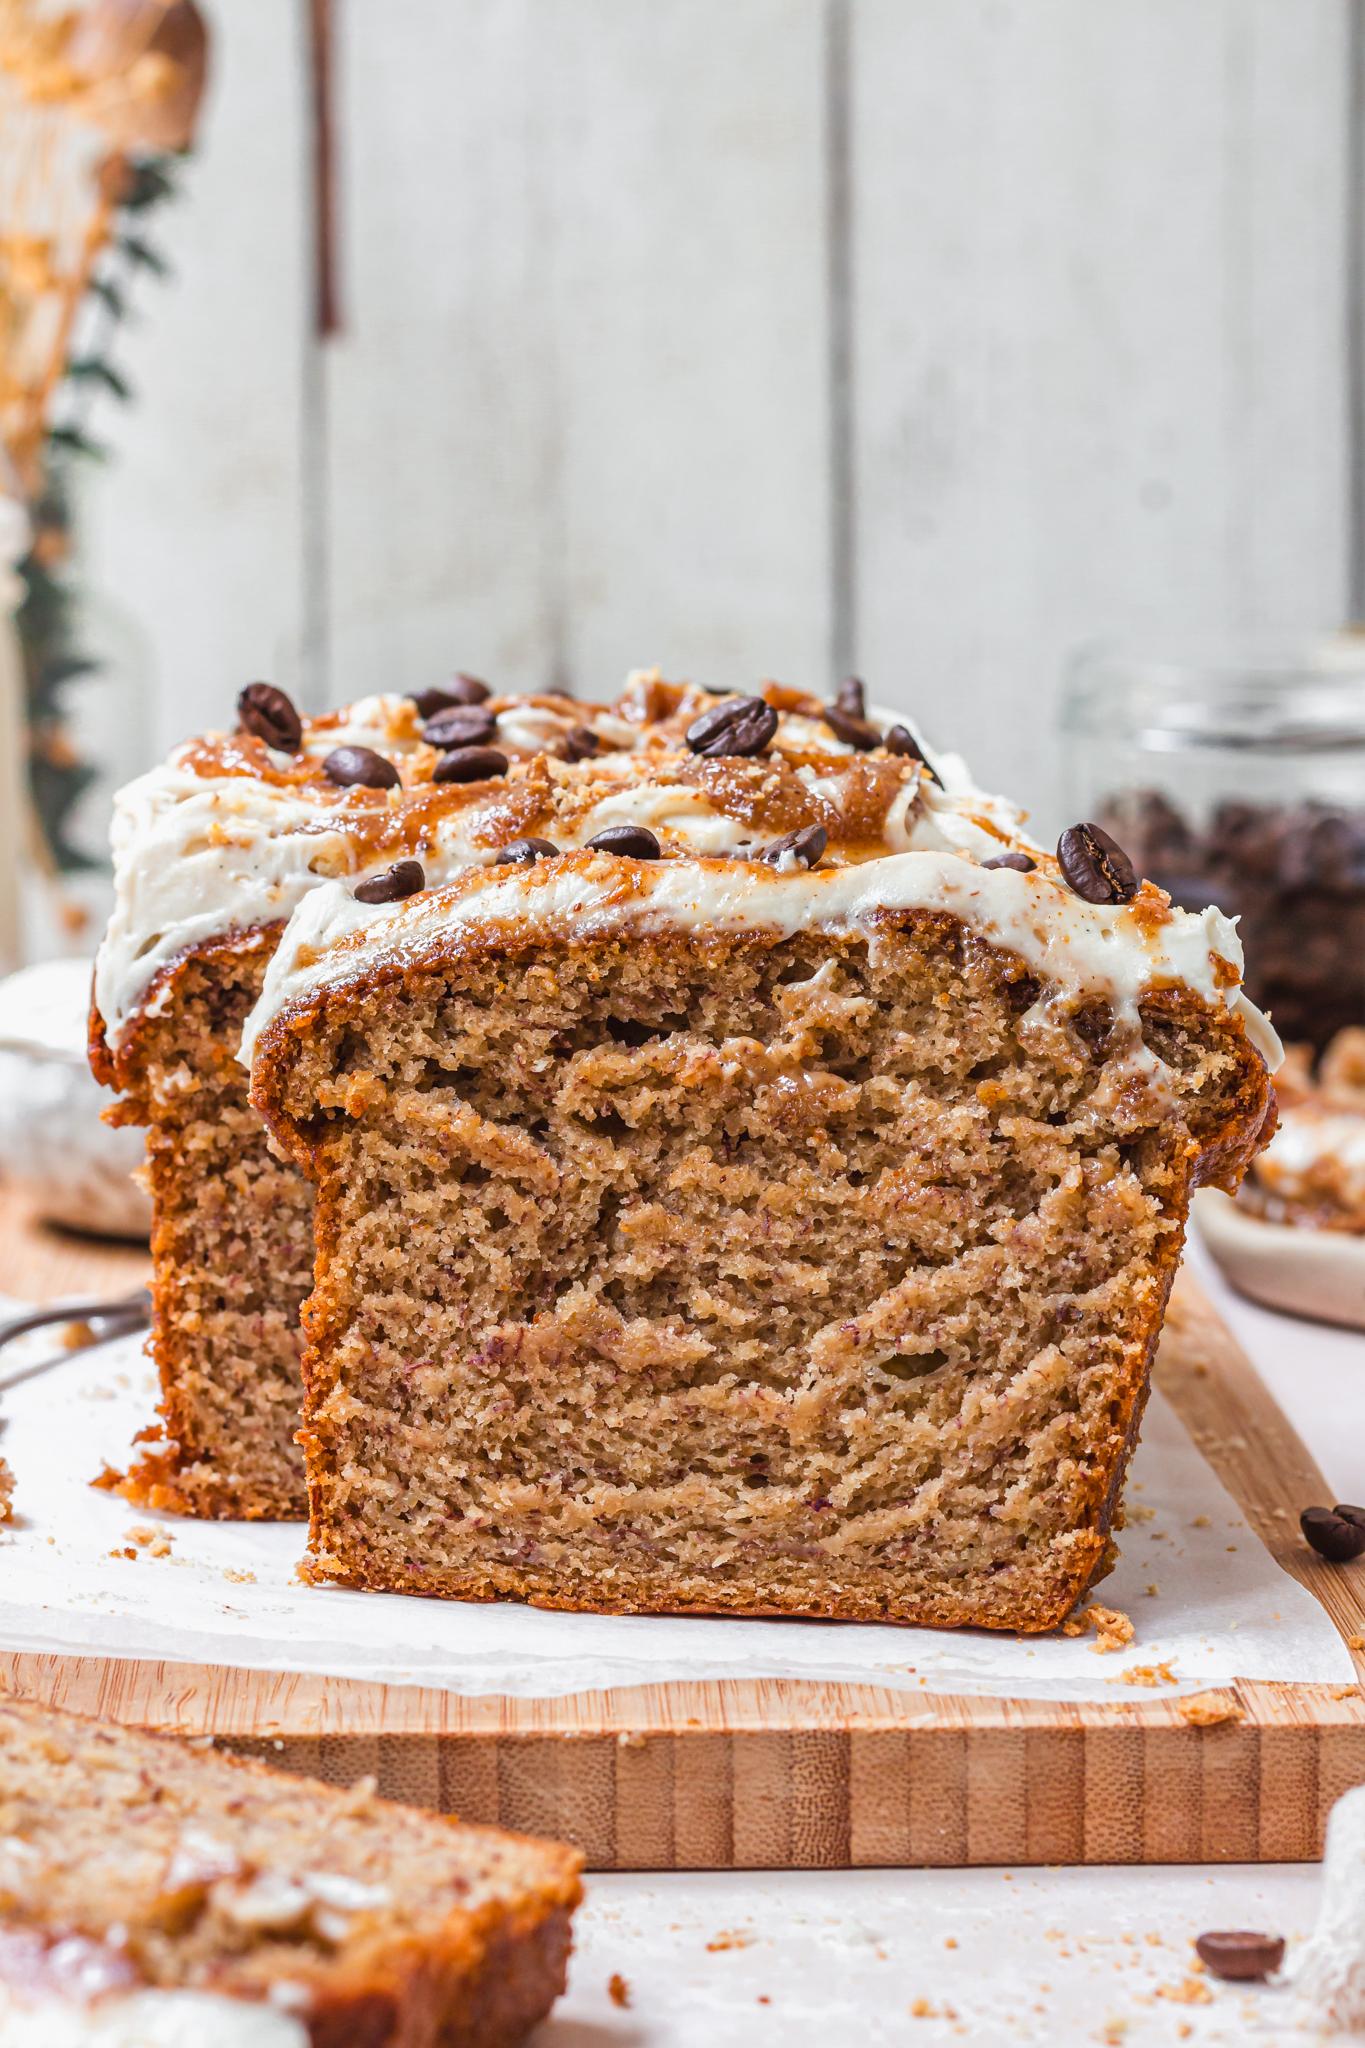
[579, 416]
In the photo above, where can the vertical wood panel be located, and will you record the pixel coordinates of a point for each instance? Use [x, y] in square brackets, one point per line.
[1289, 1795]
[469, 1778]
[194, 528]
[1100, 374]
[938, 1797]
[1172, 1806]
[879, 1797]
[1231, 1777]
[644, 1804]
[762, 1770]
[578, 414]
[1056, 1794]
[703, 1803]
[997, 1802]
[819, 1800]
[1114, 1784]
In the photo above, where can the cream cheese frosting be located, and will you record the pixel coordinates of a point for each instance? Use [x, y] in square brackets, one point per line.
[1076, 949]
[200, 853]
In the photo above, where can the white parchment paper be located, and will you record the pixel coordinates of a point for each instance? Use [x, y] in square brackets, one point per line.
[1204, 1595]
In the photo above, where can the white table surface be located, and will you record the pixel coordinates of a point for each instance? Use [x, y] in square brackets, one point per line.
[1055, 1956]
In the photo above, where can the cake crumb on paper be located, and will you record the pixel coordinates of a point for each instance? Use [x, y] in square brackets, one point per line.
[1137, 1511]
[239, 1578]
[1188, 1992]
[1201, 1522]
[618, 1991]
[1146, 1674]
[733, 1938]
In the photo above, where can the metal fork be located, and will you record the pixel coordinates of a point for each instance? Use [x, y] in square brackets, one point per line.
[110, 1318]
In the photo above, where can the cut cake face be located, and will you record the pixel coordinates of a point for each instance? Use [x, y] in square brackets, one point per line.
[155, 1892]
[215, 849]
[717, 1235]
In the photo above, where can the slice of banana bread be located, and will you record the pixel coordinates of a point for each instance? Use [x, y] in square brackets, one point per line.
[216, 848]
[169, 1894]
[748, 1236]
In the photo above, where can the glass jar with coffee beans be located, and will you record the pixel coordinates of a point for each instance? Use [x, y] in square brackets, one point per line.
[1238, 778]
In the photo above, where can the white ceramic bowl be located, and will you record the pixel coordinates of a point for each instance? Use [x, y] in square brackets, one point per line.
[73, 1168]
[1317, 1273]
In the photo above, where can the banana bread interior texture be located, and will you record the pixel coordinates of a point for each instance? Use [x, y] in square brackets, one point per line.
[807, 1276]
[232, 1248]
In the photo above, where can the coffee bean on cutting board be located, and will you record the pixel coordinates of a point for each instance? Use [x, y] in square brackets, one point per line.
[405, 878]
[1240, 1955]
[740, 725]
[631, 842]
[360, 767]
[470, 764]
[1095, 865]
[1338, 1533]
[270, 716]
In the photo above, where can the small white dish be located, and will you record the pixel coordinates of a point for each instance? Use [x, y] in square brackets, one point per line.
[73, 1169]
[1316, 1273]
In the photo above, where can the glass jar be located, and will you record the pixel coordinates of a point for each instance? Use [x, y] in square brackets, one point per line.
[1240, 781]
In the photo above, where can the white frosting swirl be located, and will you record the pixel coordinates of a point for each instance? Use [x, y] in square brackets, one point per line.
[1077, 949]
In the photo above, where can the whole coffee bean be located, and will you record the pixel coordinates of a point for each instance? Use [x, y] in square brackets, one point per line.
[526, 852]
[739, 725]
[1335, 1536]
[1095, 865]
[403, 879]
[807, 845]
[270, 715]
[470, 764]
[1239, 1955]
[467, 725]
[632, 842]
[850, 697]
[580, 744]
[362, 767]
[856, 731]
[900, 740]
[1019, 861]
[460, 689]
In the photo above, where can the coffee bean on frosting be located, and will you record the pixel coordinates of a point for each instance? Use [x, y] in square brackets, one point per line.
[1338, 1533]
[1019, 861]
[403, 879]
[461, 689]
[739, 725]
[856, 732]
[580, 744]
[807, 845]
[270, 715]
[1240, 1955]
[526, 852]
[900, 740]
[466, 725]
[470, 764]
[1095, 865]
[632, 842]
[362, 767]
[851, 698]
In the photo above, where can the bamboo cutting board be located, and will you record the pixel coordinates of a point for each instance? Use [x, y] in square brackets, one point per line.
[784, 1774]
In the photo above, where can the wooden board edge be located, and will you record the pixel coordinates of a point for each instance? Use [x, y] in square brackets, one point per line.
[200, 1699]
